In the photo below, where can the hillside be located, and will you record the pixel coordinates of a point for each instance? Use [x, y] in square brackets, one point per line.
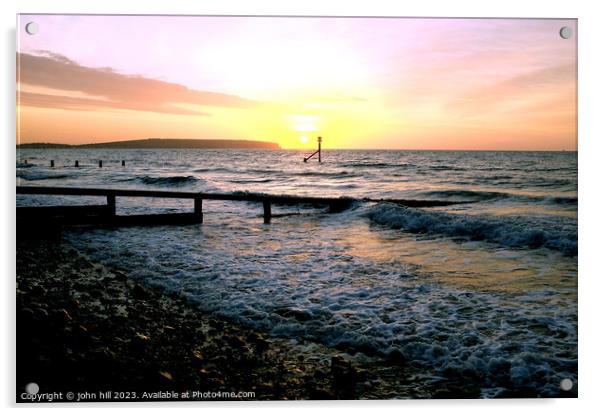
[163, 144]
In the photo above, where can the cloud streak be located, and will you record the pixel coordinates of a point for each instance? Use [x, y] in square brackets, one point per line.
[532, 91]
[117, 91]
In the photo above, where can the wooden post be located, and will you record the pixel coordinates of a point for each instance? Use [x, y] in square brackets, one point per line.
[123, 163]
[100, 163]
[320, 149]
[198, 208]
[77, 163]
[111, 208]
[267, 212]
[52, 163]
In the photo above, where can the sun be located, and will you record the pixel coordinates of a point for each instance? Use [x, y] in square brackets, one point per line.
[303, 139]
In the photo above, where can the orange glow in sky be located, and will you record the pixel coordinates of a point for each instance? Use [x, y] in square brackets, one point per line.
[359, 83]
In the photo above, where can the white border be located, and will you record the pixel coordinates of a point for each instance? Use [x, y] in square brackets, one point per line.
[590, 135]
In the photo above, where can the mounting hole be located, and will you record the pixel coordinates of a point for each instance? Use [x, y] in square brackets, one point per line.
[32, 28]
[32, 388]
[566, 32]
[566, 384]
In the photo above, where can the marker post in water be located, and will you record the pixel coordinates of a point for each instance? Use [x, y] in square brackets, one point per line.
[317, 152]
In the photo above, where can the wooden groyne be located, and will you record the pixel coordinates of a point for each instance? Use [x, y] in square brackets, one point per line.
[107, 213]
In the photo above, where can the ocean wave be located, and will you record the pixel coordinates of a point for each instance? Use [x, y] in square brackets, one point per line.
[464, 337]
[562, 200]
[222, 170]
[263, 171]
[515, 232]
[163, 180]
[550, 182]
[249, 171]
[356, 303]
[444, 167]
[465, 195]
[498, 177]
[339, 174]
[376, 165]
[249, 180]
[41, 176]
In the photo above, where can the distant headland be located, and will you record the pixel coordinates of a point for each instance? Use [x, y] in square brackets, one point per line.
[155, 143]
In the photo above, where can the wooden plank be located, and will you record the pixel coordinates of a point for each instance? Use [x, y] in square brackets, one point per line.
[112, 207]
[250, 197]
[335, 204]
[106, 214]
[28, 216]
[198, 208]
[155, 219]
[267, 212]
[51, 190]
[61, 211]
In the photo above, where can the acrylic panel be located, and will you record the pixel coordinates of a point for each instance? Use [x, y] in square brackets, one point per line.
[311, 208]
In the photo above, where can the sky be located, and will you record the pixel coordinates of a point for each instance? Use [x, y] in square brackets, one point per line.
[364, 83]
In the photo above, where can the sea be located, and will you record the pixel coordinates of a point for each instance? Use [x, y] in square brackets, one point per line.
[484, 290]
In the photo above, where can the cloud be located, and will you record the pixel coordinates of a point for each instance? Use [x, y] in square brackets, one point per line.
[543, 77]
[531, 91]
[31, 99]
[118, 91]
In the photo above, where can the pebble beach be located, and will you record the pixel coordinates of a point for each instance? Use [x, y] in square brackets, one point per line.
[85, 329]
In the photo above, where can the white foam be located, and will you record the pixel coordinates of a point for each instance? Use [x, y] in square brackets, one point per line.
[296, 279]
[556, 233]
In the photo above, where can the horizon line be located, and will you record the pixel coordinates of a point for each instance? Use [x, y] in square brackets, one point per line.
[99, 144]
[309, 149]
